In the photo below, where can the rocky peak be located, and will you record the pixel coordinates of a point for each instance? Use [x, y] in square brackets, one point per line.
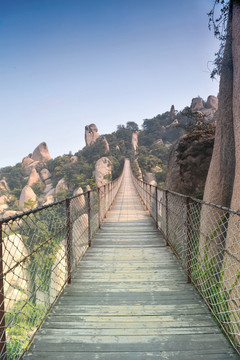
[172, 112]
[206, 110]
[197, 104]
[91, 134]
[41, 153]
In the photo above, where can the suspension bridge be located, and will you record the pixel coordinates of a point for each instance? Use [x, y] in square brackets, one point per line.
[130, 296]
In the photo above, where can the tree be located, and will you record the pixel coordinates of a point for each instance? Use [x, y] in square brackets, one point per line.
[223, 180]
[132, 126]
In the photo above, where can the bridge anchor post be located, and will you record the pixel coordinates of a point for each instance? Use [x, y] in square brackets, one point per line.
[3, 348]
[189, 253]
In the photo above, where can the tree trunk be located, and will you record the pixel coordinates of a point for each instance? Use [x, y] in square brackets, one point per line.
[219, 183]
[231, 266]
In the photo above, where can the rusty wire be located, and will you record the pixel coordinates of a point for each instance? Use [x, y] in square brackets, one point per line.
[39, 250]
[206, 239]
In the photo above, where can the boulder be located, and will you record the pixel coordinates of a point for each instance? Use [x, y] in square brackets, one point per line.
[41, 153]
[48, 200]
[91, 134]
[103, 171]
[79, 237]
[45, 174]
[33, 177]
[3, 207]
[61, 185]
[27, 195]
[15, 285]
[9, 213]
[59, 272]
[79, 202]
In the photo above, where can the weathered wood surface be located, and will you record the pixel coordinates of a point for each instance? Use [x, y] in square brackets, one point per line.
[129, 299]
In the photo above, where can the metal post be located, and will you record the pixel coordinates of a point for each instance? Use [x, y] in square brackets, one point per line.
[156, 204]
[89, 219]
[167, 235]
[99, 209]
[3, 349]
[68, 240]
[189, 253]
[150, 199]
[105, 208]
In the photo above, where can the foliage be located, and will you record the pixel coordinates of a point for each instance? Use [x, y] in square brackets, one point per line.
[38, 188]
[219, 25]
[23, 320]
[14, 175]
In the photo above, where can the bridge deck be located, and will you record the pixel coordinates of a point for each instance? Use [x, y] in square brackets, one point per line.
[129, 299]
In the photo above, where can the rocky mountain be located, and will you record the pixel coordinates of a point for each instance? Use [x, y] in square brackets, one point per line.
[40, 180]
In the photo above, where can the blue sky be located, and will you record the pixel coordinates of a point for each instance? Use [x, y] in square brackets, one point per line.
[67, 63]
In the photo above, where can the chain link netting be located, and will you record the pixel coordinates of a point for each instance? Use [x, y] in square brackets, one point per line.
[39, 250]
[206, 240]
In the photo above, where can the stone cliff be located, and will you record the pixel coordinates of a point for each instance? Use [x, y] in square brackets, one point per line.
[189, 162]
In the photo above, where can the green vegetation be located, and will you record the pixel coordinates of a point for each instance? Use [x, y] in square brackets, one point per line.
[23, 320]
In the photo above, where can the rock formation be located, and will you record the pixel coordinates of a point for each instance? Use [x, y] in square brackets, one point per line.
[135, 141]
[103, 171]
[172, 112]
[15, 285]
[49, 199]
[41, 153]
[197, 104]
[189, 162]
[78, 203]
[207, 110]
[45, 174]
[61, 185]
[150, 178]
[33, 177]
[28, 198]
[91, 134]
[107, 144]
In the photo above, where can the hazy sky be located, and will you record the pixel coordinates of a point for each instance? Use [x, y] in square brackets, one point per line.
[68, 63]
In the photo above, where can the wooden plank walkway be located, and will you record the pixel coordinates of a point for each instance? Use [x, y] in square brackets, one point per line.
[129, 299]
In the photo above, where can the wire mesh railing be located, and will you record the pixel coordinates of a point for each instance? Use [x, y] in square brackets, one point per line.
[39, 250]
[206, 239]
